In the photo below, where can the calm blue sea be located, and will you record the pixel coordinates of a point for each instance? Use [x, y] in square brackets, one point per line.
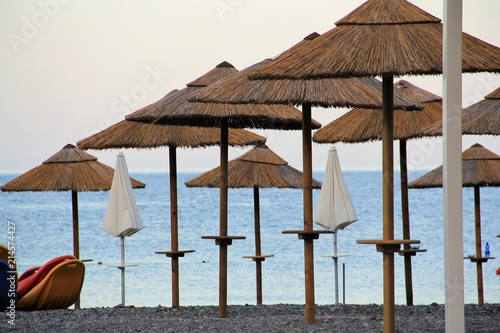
[44, 230]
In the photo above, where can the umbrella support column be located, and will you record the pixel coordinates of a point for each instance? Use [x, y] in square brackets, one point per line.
[76, 238]
[308, 234]
[258, 257]
[405, 213]
[479, 264]
[223, 240]
[175, 253]
[388, 245]
[388, 198]
[308, 213]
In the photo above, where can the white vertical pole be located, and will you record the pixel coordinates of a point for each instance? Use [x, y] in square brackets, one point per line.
[452, 166]
[336, 267]
[122, 268]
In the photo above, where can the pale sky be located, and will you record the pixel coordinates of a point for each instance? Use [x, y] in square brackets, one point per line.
[70, 68]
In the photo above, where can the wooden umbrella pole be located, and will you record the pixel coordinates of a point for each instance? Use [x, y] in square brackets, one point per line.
[479, 265]
[258, 263]
[223, 220]
[76, 237]
[388, 199]
[308, 212]
[405, 213]
[174, 225]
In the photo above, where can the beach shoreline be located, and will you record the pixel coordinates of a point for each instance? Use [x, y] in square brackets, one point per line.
[249, 318]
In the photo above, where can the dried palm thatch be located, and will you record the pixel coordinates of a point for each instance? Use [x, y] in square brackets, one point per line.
[177, 110]
[480, 167]
[222, 70]
[363, 125]
[400, 38]
[130, 134]
[260, 167]
[343, 92]
[481, 118]
[70, 169]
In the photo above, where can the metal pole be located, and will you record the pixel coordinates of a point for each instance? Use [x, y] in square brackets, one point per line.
[336, 268]
[452, 167]
[122, 268]
[343, 283]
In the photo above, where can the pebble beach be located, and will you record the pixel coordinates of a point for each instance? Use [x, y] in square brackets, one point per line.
[249, 318]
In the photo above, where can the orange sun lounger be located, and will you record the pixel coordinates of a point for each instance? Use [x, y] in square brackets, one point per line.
[33, 276]
[59, 289]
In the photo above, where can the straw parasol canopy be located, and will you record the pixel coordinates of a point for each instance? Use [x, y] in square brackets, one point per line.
[131, 134]
[362, 125]
[70, 169]
[175, 111]
[358, 92]
[480, 167]
[481, 118]
[400, 39]
[258, 168]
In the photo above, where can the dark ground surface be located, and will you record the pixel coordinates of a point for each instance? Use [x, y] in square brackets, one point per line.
[240, 318]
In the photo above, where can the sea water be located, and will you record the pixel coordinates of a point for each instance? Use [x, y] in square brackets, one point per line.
[43, 230]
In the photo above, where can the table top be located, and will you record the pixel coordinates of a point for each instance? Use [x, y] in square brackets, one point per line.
[122, 266]
[223, 237]
[479, 259]
[262, 256]
[173, 252]
[412, 251]
[388, 241]
[307, 232]
[339, 255]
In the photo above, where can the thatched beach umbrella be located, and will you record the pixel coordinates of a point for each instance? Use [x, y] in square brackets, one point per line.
[481, 118]
[480, 167]
[176, 111]
[386, 38]
[70, 169]
[349, 92]
[258, 168]
[362, 125]
[131, 134]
